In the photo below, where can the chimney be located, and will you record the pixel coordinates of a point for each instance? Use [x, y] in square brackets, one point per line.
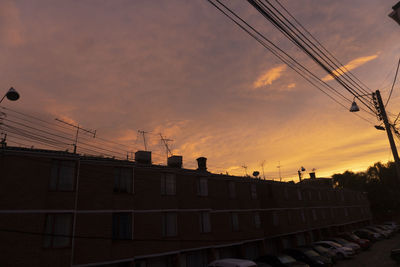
[312, 175]
[175, 162]
[202, 164]
[143, 157]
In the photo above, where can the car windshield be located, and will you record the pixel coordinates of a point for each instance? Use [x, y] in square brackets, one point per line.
[311, 253]
[336, 245]
[354, 237]
[286, 259]
[342, 241]
[320, 249]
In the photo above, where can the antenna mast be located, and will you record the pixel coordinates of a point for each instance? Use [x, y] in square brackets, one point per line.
[165, 142]
[279, 167]
[262, 166]
[143, 133]
[245, 169]
[93, 132]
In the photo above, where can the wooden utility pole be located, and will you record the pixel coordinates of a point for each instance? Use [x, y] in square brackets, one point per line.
[383, 116]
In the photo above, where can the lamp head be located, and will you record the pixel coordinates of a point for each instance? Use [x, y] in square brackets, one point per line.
[354, 107]
[12, 94]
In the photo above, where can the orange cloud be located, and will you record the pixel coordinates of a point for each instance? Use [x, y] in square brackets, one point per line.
[268, 77]
[355, 63]
[292, 85]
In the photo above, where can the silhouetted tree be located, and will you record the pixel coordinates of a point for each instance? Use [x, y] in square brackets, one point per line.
[379, 182]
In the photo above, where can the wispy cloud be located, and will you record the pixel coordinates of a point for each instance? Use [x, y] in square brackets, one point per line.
[268, 77]
[292, 85]
[355, 63]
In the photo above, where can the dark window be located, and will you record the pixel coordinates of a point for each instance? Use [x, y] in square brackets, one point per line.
[168, 184]
[62, 175]
[202, 187]
[123, 180]
[169, 224]
[58, 230]
[205, 225]
[232, 189]
[122, 226]
[235, 222]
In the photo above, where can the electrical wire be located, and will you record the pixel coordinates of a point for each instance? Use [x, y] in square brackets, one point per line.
[279, 53]
[394, 82]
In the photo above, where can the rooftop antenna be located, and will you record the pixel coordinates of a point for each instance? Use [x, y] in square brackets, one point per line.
[78, 127]
[143, 133]
[262, 166]
[245, 169]
[279, 167]
[165, 142]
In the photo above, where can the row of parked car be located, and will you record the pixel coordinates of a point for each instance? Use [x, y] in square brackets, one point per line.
[321, 253]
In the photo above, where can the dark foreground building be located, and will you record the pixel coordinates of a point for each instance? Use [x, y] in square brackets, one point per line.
[63, 209]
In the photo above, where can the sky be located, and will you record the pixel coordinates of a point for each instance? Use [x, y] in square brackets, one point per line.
[182, 69]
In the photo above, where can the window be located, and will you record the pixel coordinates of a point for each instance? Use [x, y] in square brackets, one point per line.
[169, 224]
[232, 189]
[168, 184]
[58, 230]
[122, 226]
[289, 217]
[257, 220]
[319, 195]
[123, 180]
[299, 196]
[286, 193]
[235, 222]
[303, 216]
[275, 218]
[62, 175]
[202, 187]
[346, 212]
[253, 189]
[309, 195]
[314, 214]
[205, 225]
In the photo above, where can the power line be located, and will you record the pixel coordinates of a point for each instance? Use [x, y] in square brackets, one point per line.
[394, 82]
[279, 53]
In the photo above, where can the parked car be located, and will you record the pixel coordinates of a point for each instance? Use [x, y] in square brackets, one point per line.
[340, 251]
[363, 243]
[379, 231]
[385, 228]
[346, 243]
[365, 233]
[392, 224]
[309, 256]
[232, 263]
[281, 260]
[325, 252]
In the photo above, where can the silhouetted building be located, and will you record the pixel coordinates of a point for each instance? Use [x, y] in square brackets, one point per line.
[58, 207]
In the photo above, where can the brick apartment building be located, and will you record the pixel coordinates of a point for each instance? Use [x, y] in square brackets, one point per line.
[63, 209]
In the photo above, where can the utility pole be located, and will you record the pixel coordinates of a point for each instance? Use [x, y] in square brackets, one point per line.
[143, 133]
[383, 116]
[77, 132]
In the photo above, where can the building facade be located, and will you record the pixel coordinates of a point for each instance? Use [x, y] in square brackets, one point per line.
[64, 209]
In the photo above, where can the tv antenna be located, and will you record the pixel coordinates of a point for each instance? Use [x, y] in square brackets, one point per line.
[279, 167]
[262, 166]
[143, 133]
[165, 142]
[245, 169]
[78, 127]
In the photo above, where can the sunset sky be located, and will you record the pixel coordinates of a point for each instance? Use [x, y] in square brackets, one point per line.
[181, 68]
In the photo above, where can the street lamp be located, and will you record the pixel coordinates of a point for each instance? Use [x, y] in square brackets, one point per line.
[11, 95]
